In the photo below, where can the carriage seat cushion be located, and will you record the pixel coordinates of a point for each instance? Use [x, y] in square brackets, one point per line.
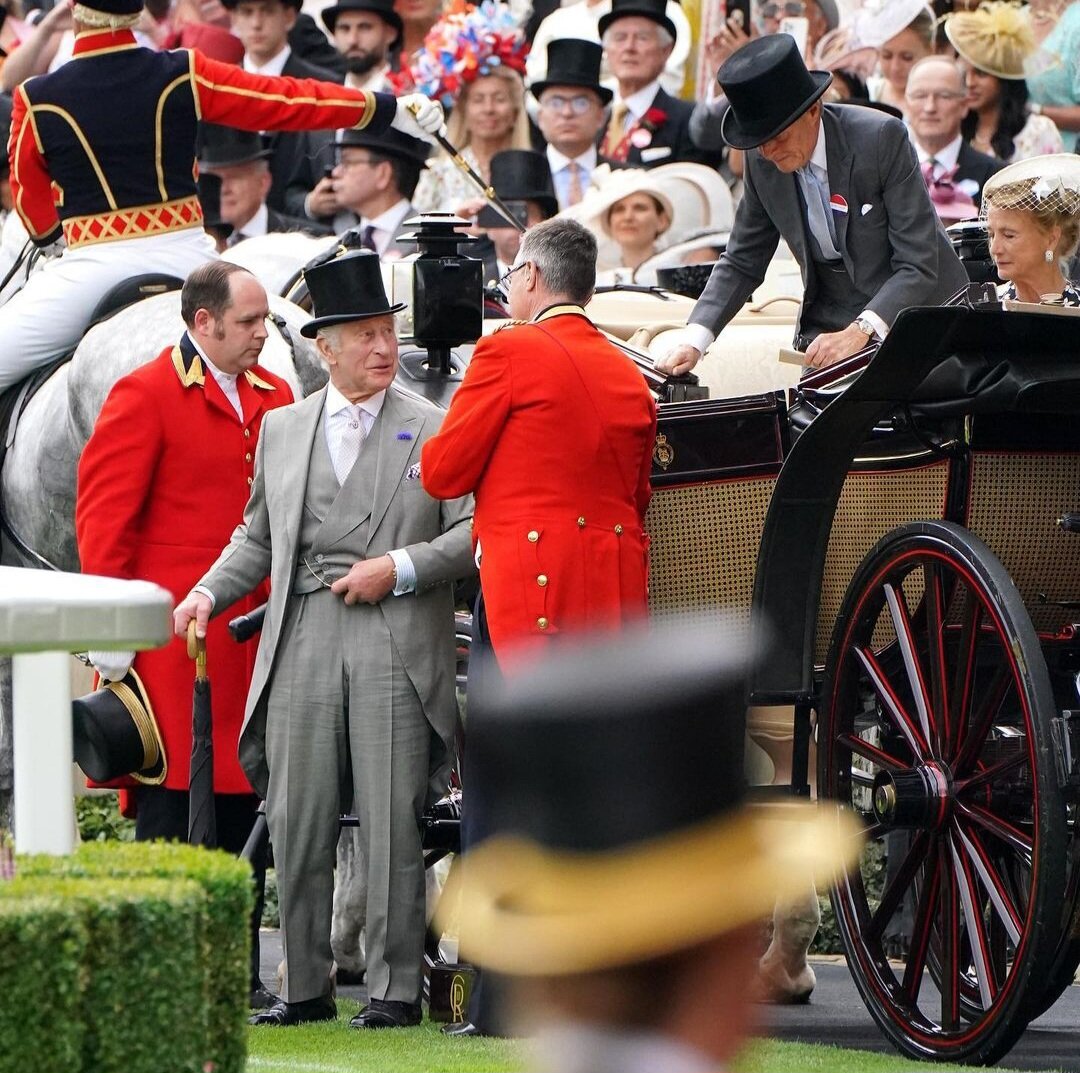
[132, 290]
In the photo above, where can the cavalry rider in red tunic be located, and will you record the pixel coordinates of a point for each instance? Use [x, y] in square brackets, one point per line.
[103, 153]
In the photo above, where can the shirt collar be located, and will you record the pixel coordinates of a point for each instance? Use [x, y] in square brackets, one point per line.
[819, 157]
[258, 225]
[375, 82]
[336, 402]
[103, 41]
[639, 103]
[946, 157]
[388, 221]
[557, 161]
[273, 66]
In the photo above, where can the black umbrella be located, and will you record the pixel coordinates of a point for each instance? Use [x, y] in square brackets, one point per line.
[202, 816]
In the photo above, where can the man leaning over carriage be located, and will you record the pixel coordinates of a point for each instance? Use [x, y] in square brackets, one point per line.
[103, 155]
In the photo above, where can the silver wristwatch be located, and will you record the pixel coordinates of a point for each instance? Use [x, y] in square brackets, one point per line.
[866, 328]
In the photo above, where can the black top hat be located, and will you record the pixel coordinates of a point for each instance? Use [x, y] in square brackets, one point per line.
[223, 147]
[520, 175]
[391, 142]
[768, 87]
[347, 288]
[115, 7]
[614, 779]
[573, 62]
[210, 200]
[383, 8]
[116, 734]
[230, 4]
[655, 10]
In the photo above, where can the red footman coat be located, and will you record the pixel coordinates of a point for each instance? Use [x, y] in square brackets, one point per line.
[163, 482]
[553, 430]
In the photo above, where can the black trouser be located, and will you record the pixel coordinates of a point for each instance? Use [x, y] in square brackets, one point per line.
[163, 814]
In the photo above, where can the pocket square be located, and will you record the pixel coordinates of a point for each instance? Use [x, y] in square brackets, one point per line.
[413, 473]
[865, 209]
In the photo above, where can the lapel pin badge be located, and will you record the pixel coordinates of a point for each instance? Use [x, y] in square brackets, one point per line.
[838, 203]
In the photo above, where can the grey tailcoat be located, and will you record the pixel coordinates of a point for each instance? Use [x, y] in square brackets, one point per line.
[891, 240]
[437, 536]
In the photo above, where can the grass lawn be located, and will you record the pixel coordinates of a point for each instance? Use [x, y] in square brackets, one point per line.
[335, 1048]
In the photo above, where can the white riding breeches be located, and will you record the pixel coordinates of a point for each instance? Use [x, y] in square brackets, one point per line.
[49, 315]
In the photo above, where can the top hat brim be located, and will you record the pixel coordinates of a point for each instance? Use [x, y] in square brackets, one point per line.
[376, 145]
[531, 911]
[643, 12]
[329, 17]
[209, 164]
[310, 330]
[604, 93]
[747, 136]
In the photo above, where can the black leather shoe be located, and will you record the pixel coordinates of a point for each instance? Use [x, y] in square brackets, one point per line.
[384, 1013]
[261, 998]
[459, 1029]
[297, 1013]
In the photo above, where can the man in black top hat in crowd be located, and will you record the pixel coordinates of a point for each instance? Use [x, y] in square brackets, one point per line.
[571, 114]
[522, 180]
[627, 903]
[374, 180]
[842, 187]
[647, 126]
[239, 160]
[352, 705]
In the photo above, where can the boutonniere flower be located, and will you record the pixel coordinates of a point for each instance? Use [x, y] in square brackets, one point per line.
[654, 119]
[404, 435]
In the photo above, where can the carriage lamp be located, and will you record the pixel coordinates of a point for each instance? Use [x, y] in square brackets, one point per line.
[444, 289]
[972, 245]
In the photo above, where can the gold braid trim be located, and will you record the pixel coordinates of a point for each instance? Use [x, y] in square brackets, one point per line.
[146, 724]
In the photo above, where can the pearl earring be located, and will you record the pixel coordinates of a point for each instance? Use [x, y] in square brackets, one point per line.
[1049, 256]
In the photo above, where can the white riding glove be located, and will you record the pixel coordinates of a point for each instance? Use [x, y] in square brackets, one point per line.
[427, 120]
[112, 666]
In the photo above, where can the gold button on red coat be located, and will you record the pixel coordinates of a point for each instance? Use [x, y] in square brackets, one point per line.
[618, 530]
[247, 432]
[533, 536]
[541, 580]
[247, 457]
[249, 480]
[581, 523]
[542, 622]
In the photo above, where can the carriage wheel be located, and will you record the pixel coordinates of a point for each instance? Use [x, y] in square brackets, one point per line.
[935, 722]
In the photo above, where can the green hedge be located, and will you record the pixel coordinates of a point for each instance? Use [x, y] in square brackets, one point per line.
[43, 945]
[221, 947]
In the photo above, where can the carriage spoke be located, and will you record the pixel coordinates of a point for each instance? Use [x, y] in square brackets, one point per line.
[999, 898]
[995, 771]
[970, 905]
[1016, 840]
[891, 703]
[935, 641]
[949, 931]
[901, 621]
[870, 752]
[892, 896]
[979, 728]
[922, 927]
[960, 696]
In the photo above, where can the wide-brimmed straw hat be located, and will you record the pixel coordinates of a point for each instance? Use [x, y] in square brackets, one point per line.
[622, 832]
[996, 38]
[768, 87]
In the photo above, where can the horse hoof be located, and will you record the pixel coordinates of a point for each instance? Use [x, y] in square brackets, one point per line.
[777, 986]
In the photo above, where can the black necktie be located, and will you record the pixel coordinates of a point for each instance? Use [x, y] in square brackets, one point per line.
[367, 238]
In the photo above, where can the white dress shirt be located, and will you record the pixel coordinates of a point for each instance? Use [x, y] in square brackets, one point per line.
[338, 415]
[225, 381]
[373, 82]
[946, 158]
[274, 66]
[387, 225]
[258, 225]
[559, 163]
[638, 103]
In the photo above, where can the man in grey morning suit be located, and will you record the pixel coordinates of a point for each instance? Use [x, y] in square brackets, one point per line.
[352, 704]
[841, 184]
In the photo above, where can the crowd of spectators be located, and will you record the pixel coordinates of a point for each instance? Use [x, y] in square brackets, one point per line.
[627, 83]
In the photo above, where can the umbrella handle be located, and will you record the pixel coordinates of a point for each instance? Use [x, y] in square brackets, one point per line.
[196, 650]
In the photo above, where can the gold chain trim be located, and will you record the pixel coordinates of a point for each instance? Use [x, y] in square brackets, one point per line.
[176, 215]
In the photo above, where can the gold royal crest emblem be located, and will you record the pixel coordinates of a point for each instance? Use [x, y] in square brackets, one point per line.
[663, 453]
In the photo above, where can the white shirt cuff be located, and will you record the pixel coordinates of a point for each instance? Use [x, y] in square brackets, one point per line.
[406, 572]
[697, 335]
[208, 594]
[880, 326]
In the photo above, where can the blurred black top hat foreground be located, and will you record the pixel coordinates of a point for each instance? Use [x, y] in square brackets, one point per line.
[614, 774]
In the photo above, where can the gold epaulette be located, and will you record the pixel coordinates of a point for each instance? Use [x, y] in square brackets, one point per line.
[509, 324]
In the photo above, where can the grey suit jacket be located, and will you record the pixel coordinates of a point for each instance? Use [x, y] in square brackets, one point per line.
[891, 240]
[437, 536]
